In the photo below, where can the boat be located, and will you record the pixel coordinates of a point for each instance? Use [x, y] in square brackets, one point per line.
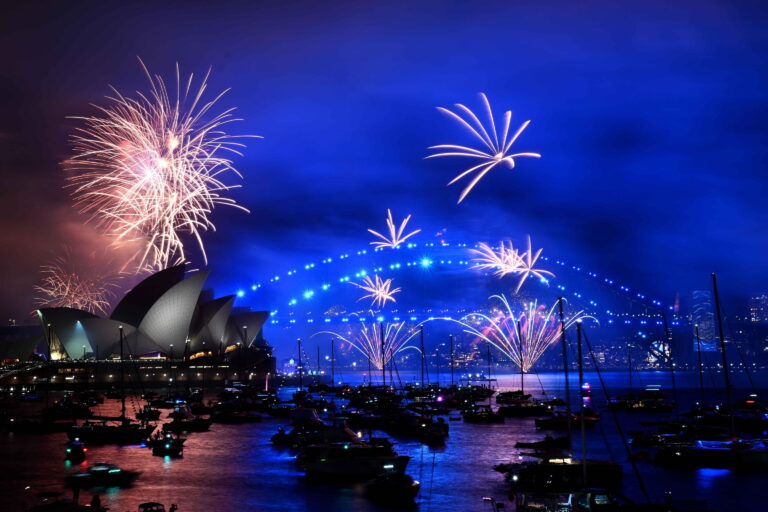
[236, 417]
[148, 413]
[349, 462]
[52, 501]
[435, 433]
[512, 397]
[66, 409]
[167, 445]
[185, 421]
[194, 424]
[482, 414]
[560, 474]
[739, 454]
[524, 409]
[315, 432]
[101, 474]
[589, 500]
[167, 403]
[124, 432]
[393, 489]
[548, 445]
[559, 421]
[651, 399]
[151, 506]
[75, 452]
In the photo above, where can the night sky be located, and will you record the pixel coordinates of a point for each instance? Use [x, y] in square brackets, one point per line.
[650, 116]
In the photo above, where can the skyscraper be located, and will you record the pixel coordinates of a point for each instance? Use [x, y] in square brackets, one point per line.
[758, 308]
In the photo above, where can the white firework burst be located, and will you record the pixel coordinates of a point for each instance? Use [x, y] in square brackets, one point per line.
[395, 237]
[379, 290]
[502, 261]
[506, 260]
[495, 147]
[150, 169]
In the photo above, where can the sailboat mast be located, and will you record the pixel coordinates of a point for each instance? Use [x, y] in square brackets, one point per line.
[522, 361]
[629, 364]
[668, 337]
[301, 366]
[122, 376]
[701, 372]
[333, 365]
[423, 362]
[564, 344]
[721, 336]
[383, 363]
[581, 407]
[451, 337]
[488, 347]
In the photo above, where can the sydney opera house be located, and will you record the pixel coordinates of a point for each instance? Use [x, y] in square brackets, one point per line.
[166, 316]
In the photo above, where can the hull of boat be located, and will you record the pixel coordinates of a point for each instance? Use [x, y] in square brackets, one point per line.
[722, 458]
[110, 434]
[358, 469]
[564, 477]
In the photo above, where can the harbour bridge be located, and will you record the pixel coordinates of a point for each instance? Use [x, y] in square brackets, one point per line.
[438, 282]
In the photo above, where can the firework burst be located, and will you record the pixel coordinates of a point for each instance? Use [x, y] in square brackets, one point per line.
[502, 261]
[61, 286]
[495, 146]
[522, 337]
[367, 339]
[150, 169]
[395, 237]
[379, 290]
[506, 260]
[528, 268]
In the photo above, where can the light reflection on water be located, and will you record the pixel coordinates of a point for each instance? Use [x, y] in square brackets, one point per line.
[234, 467]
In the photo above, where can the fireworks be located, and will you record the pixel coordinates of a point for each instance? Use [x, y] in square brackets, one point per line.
[528, 266]
[149, 169]
[522, 337]
[61, 286]
[368, 341]
[395, 235]
[495, 148]
[380, 290]
[505, 260]
[508, 260]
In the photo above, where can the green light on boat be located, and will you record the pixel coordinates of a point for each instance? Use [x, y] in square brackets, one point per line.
[114, 471]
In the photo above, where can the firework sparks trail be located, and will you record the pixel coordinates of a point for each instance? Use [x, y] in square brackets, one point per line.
[149, 169]
[502, 261]
[61, 286]
[380, 290]
[528, 266]
[495, 147]
[395, 234]
[522, 337]
[507, 260]
[367, 340]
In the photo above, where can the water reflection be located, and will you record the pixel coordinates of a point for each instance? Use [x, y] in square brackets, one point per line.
[235, 467]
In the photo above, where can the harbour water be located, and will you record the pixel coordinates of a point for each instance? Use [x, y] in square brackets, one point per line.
[235, 467]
